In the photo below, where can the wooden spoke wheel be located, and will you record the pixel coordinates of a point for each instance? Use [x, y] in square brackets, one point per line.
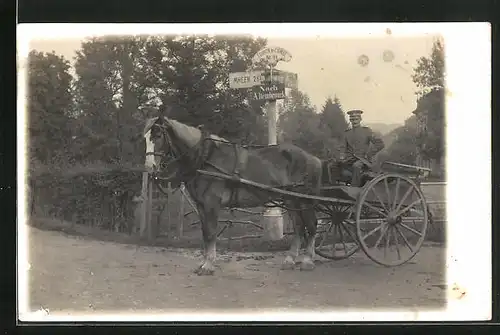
[336, 234]
[391, 219]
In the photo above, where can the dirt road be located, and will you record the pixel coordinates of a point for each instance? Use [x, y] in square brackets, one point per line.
[73, 274]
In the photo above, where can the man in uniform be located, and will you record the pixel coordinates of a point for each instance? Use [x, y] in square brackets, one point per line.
[359, 146]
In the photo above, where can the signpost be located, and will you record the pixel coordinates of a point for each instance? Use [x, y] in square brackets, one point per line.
[268, 85]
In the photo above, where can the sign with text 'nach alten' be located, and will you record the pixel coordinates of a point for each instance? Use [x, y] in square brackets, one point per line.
[270, 92]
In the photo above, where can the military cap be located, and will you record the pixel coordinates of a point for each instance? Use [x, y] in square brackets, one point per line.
[354, 112]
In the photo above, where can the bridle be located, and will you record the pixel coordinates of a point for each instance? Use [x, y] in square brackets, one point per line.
[164, 164]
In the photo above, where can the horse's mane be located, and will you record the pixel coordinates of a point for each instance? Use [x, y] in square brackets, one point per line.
[191, 135]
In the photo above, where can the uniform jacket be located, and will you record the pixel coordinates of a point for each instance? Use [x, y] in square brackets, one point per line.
[362, 141]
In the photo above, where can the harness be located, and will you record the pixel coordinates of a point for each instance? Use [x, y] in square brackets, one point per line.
[197, 158]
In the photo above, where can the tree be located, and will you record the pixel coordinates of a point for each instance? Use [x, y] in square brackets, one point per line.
[333, 118]
[430, 71]
[429, 76]
[49, 106]
[432, 140]
[401, 144]
[404, 148]
[49, 126]
[108, 96]
[333, 126]
[300, 124]
[191, 74]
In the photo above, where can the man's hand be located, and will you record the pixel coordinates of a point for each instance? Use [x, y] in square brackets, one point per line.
[358, 164]
[361, 162]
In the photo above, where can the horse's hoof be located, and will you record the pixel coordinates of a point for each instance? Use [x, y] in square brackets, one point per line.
[307, 266]
[288, 264]
[205, 271]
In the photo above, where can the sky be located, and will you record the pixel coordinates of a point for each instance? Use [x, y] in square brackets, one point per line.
[329, 66]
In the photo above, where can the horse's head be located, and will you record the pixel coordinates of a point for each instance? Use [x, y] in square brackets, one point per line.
[157, 141]
[168, 140]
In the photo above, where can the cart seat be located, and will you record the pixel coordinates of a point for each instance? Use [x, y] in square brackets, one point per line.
[334, 174]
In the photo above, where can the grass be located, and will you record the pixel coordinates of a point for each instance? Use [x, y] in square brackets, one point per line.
[192, 239]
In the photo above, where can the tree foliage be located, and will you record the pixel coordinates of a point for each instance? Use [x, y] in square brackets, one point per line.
[49, 107]
[404, 148]
[191, 74]
[423, 132]
[432, 139]
[299, 123]
[430, 71]
[429, 76]
[318, 133]
[333, 126]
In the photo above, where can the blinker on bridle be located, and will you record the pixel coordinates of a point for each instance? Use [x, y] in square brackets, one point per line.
[164, 164]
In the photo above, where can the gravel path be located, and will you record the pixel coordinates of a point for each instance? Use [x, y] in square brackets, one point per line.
[71, 274]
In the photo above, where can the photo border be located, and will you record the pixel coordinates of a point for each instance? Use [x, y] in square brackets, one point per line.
[462, 97]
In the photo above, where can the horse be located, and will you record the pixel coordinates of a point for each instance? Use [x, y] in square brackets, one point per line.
[190, 149]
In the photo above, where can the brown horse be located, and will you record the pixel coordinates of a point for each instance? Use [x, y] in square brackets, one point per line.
[283, 165]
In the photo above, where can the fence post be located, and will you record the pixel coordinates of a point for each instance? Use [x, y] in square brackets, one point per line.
[150, 210]
[144, 205]
[169, 216]
[180, 222]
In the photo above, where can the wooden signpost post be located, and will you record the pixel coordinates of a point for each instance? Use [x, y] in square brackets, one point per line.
[268, 85]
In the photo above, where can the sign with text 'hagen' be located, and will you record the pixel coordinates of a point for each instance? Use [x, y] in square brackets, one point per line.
[269, 92]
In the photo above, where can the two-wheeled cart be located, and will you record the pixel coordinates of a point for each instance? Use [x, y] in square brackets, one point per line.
[387, 217]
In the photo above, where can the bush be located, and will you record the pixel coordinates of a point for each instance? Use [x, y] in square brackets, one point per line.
[92, 195]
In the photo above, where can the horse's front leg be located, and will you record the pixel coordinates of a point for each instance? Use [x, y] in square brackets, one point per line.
[209, 220]
[293, 253]
[310, 222]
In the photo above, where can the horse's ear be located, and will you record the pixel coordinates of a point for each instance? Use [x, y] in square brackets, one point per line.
[149, 124]
[163, 112]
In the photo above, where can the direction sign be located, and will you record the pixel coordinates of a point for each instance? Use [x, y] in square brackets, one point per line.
[269, 92]
[272, 55]
[245, 79]
[289, 79]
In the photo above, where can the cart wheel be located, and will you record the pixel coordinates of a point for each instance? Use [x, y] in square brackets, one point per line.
[392, 219]
[337, 235]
